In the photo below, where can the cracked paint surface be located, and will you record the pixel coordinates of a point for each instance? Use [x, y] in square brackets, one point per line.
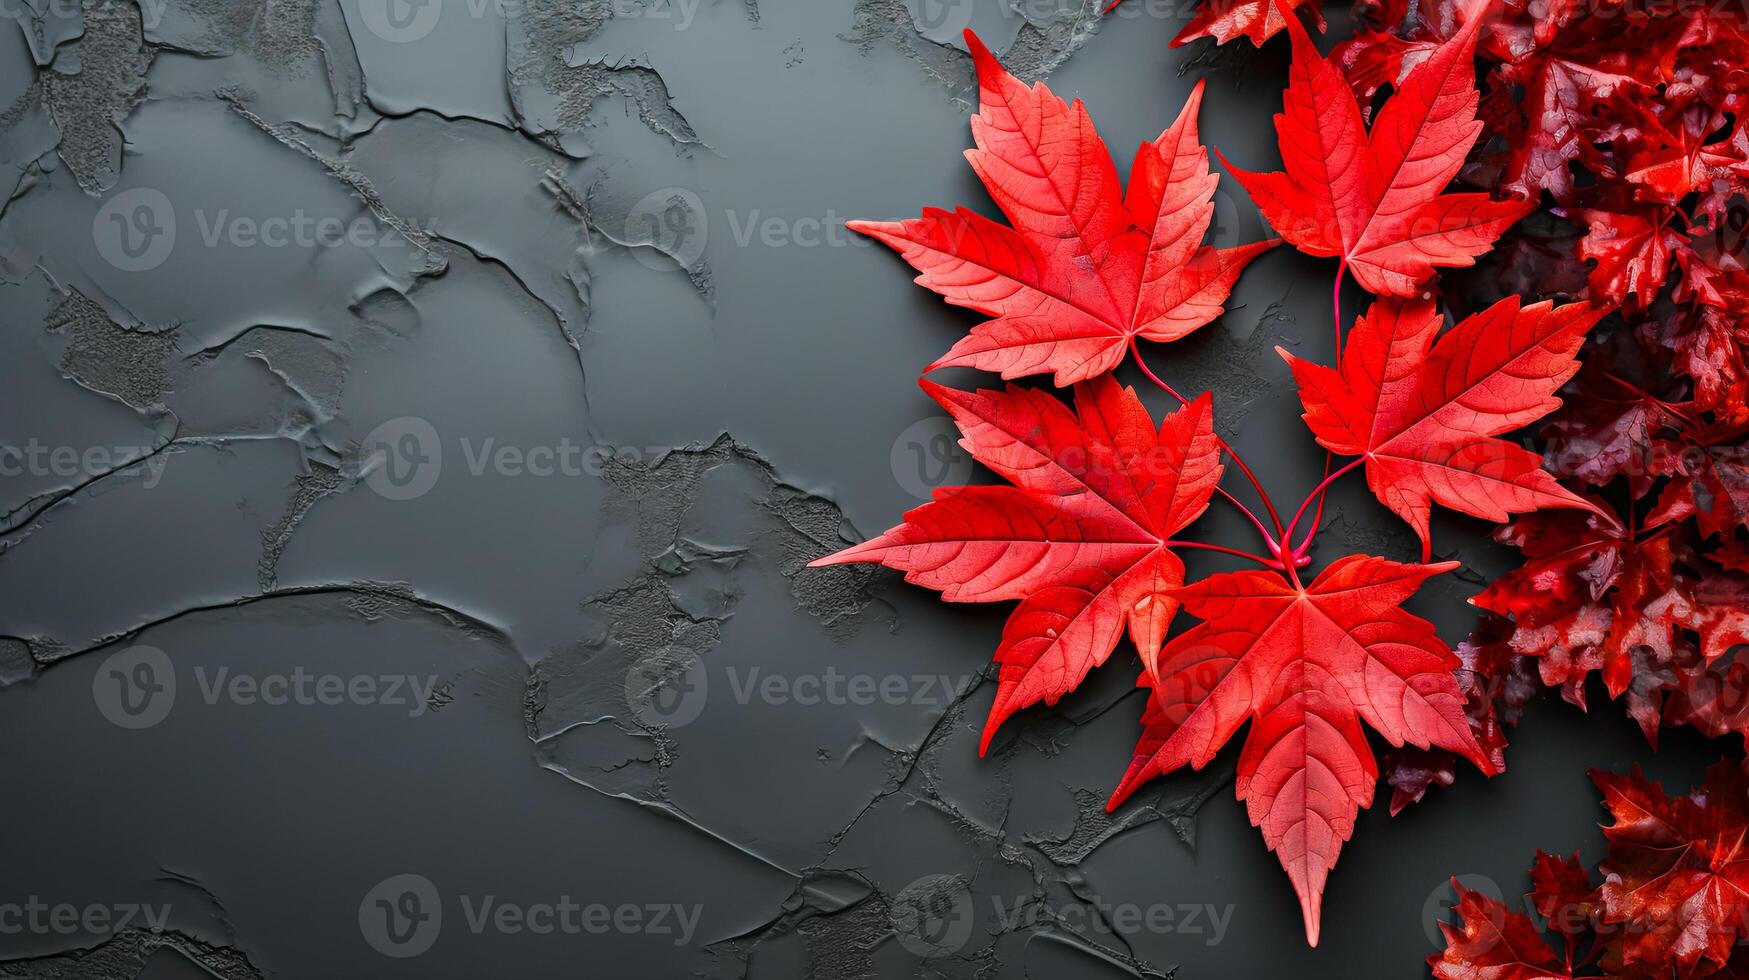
[416, 431]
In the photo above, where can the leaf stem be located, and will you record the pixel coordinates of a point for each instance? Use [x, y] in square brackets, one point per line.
[1266, 562]
[1317, 494]
[1336, 318]
[1275, 546]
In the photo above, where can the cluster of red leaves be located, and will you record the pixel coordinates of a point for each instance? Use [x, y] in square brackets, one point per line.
[1628, 121]
[1087, 537]
[1673, 903]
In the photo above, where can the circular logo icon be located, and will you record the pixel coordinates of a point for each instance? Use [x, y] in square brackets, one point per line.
[135, 231]
[928, 455]
[1441, 901]
[403, 458]
[401, 21]
[668, 688]
[672, 223]
[401, 916]
[135, 688]
[941, 21]
[933, 915]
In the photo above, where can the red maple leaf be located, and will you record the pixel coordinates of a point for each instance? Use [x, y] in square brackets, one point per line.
[1497, 943]
[1259, 20]
[1590, 598]
[1423, 413]
[1496, 682]
[1678, 869]
[1633, 254]
[1083, 538]
[1305, 664]
[1085, 268]
[1494, 943]
[1672, 904]
[1375, 199]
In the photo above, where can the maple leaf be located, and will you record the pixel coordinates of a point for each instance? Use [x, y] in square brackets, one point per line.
[1084, 269]
[1590, 598]
[1258, 20]
[1305, 664]
[1712, 486]
[1678, 869]
[1497, 943]
[1422, 412]
[1374, 199]
[1633, 254]
[1496, 682]
[1494, 943]
[1709, 344]
[1081, 539]
[1610, 425]
[1671, 906]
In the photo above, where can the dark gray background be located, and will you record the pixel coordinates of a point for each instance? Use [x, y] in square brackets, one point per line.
[610, 225]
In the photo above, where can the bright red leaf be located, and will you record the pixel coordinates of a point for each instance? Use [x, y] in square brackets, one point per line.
[1375, 200]
[1632, 254]
[1305, 665]
[1081, 539]
[1085, 267]
[1424, 412]
[1258, 20]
